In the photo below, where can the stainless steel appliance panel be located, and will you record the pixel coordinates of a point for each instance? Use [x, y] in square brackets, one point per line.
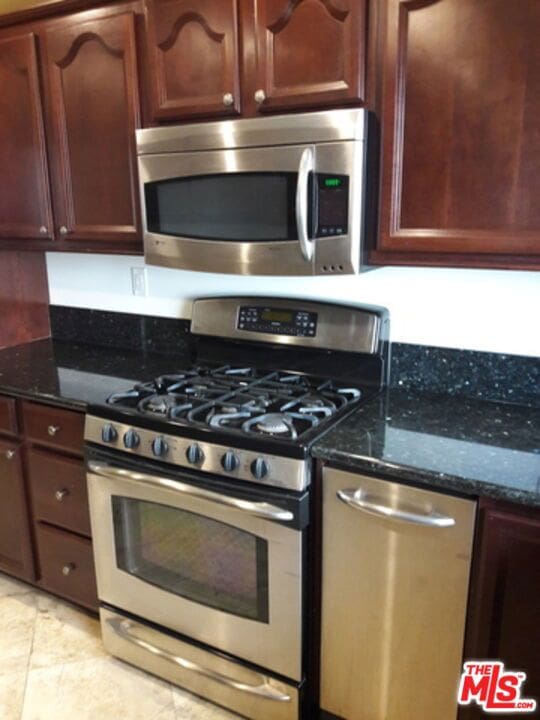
[275, 644]
[209, 675]
[396, 563]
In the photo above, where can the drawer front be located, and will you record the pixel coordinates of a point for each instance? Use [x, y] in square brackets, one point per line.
[67, 565]
[62, 429]
[58, 486]
[8, 416]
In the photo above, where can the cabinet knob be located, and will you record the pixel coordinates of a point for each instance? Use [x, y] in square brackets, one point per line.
[228, 99]
[68, 569]
[61, 494]
[260, 97]
[43, 230]
[10, 454]
[53, 430]
[63, 230]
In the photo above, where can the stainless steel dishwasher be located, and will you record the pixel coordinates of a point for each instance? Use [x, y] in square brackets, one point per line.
[396, 563]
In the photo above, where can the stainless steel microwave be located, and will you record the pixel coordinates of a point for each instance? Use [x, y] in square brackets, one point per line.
[286, 195]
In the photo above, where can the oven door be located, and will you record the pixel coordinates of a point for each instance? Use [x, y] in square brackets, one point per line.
[220, 566]
[250, 211]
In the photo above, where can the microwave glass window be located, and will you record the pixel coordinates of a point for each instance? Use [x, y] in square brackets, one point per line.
[193, 556]
[232, 206]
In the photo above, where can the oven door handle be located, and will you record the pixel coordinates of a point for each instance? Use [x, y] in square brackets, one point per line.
[302, 205]
[122, 628]
[259, 509]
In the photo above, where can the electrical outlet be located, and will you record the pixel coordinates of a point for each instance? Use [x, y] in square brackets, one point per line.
[139, 284]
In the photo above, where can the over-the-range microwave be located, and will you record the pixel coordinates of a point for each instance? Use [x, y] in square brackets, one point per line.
[286, 195]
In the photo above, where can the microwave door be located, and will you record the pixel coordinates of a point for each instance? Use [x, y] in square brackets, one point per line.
[246, 211]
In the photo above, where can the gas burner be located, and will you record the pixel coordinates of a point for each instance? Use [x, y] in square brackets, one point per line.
[165, 404]
[281, 424]
[274, 424]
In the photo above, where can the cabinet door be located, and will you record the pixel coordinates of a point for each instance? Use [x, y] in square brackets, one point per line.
[25, 206]
[194, 62]
[15, 545]
[504, 611]
[308, 53]
[93, 113]
[461, 147]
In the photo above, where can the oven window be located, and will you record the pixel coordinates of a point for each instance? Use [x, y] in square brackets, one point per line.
[193, 556]
[228, 207]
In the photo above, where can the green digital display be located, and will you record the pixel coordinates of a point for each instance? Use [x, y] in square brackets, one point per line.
[333, 182]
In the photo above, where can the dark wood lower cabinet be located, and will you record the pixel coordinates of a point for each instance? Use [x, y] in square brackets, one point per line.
[504, 612]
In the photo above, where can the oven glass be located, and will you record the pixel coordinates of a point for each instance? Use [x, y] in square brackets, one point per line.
[227, 207]
[193, 556]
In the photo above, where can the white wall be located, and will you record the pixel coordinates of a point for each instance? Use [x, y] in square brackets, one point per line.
[490, 310]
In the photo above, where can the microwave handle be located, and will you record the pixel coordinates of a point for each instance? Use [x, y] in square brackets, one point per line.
[302, 206]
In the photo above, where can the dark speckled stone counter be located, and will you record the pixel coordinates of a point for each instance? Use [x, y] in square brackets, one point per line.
[74, 375]
[462, 445]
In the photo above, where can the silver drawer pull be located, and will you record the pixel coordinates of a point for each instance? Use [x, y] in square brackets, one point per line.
[228, 99]
[260, 96]
[61, 494]
[259, 509]
[53, 430]
[10, 454]
[123, 629]
[357, 500]
[68, 569]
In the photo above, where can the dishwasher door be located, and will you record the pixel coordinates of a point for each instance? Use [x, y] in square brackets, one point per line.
[396, 563]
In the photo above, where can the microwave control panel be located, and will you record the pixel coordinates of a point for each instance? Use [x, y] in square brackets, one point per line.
[333, 205]
[277, 321]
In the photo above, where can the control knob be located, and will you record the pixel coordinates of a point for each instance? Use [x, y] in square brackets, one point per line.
[259, 468]
[194, 454]
[230, 461]
[160, 447]
[131, 439]
[108, 433]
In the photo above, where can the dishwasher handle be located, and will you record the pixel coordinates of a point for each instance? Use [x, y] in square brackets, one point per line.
[357, 499]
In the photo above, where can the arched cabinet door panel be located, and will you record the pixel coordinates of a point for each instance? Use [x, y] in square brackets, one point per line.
[25, 206]
[193, 54]
[461, 145]
[93, 113]
[309, 53]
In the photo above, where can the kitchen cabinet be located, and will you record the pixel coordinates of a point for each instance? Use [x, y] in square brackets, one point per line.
[395, 578]
[194, 58]
[220, 57]
[504, 612]
[92, 113]
[25, 205]
[460, 88]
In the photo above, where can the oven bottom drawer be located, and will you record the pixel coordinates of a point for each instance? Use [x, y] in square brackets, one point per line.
[211, 676]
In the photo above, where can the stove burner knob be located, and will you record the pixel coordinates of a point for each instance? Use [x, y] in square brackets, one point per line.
[108, 433]
[194, 454]
[259, 468]
[160, 447]
[230, 461]
[131, 439]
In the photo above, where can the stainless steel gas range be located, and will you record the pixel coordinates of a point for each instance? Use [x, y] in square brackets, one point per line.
[199, 486]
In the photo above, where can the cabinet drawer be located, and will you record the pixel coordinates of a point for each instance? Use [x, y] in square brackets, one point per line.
[58, 486]
[62, 429]
[8, 416]
[67, 565]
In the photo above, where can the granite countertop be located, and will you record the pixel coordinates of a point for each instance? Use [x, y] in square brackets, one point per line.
[468, 446]
[75, 375]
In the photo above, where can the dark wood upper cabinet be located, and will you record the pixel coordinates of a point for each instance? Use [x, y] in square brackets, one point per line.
[504, 612]
[92, 113]
[461, 147]
[308, 53]
[193, 58]
[25, 208]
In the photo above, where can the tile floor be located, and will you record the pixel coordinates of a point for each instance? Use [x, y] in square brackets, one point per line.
[53, 667]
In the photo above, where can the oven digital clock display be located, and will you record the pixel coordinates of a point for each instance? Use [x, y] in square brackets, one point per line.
[277, 321]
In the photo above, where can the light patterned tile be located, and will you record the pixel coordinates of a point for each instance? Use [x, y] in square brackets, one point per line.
[63, 634]
[101, 688]
[11, 694]
[191, 707]
[17, 620]
[10, 586]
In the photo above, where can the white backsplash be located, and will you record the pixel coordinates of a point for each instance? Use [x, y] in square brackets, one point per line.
[490, 310]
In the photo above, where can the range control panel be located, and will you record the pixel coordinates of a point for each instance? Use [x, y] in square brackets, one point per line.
[277, 321]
